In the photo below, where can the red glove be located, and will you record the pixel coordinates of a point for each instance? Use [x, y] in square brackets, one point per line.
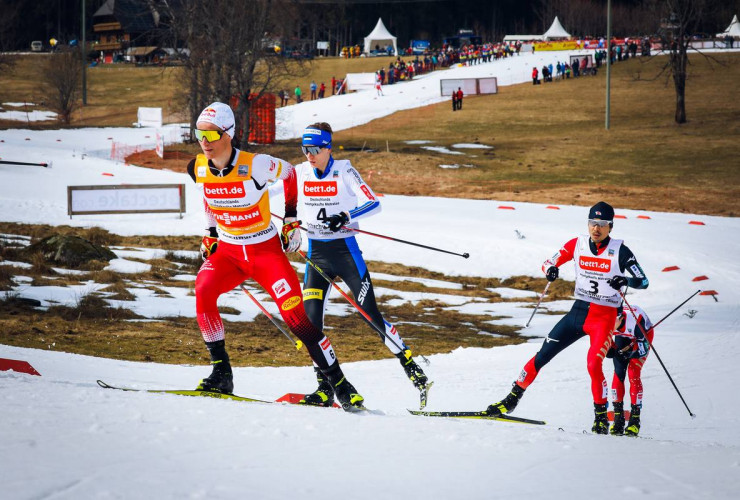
[291, 235]
[208, 246]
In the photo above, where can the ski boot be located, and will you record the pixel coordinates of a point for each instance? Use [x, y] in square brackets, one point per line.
[633, 427]
[617, 428]
[413, 371]
[323, 396]
[348, 396]
[601, 423]
[507, 404]
[221, 378]
[416, 376]
[345, 392]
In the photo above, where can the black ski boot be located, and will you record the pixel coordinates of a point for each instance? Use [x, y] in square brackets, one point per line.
[507, 404]
[323, 396]
[413, 371]
[221, 378]
[345, 392]
[617, 428]
[601, 423]
[633, 427]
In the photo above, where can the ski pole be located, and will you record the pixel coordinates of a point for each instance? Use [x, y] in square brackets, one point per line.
[7, 162]
[676, 309]
[656, 352]
[538, 303]
[463, 255]
[296, 343]
[365, 315]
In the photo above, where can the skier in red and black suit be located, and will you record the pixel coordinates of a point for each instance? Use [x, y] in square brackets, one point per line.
[242, 242]
[600, 264]
[629, 351]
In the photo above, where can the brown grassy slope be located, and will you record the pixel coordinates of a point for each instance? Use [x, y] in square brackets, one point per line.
[114, 93]
[551, 145]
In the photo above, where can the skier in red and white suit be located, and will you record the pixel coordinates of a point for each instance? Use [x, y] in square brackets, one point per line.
[600, 264]
[629, 352]
[243, 243]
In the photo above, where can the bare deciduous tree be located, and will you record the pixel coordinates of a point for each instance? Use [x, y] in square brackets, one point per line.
[9, 11]
[61, 76]
[228, 54]
[680, 19]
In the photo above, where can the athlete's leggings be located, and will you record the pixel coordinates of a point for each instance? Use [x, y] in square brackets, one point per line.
[343, 258]
[628, 367]
[266, 263]
[584, 318]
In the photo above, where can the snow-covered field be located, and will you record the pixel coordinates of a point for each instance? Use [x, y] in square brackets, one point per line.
[63, 437]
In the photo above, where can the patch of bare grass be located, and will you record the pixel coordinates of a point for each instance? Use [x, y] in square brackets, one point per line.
[106, 276]
[92, 307]
[93, 265]
[190, 264]
[39, 265]
[119, 291]
[6, 277]
[99, 236]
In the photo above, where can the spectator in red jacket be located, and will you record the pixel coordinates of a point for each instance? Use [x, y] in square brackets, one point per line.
[459, 98]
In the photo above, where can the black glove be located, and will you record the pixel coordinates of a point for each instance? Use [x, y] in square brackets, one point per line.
[617, 282]
[336, 221]
[643, 346]
[552, 273]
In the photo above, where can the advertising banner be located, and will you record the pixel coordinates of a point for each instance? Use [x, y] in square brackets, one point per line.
[564, 45]
[126, 199]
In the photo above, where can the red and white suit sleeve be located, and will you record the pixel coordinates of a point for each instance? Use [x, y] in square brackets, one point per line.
[266, 169]
[562, 256]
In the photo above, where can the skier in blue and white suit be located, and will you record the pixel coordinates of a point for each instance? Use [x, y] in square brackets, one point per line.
[332, 197]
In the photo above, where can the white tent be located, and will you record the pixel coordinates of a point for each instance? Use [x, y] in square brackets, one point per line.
[380, 36]
[732, 30]
[556, 31]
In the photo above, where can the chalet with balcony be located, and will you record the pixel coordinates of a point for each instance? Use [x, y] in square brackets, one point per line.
[126, 30]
